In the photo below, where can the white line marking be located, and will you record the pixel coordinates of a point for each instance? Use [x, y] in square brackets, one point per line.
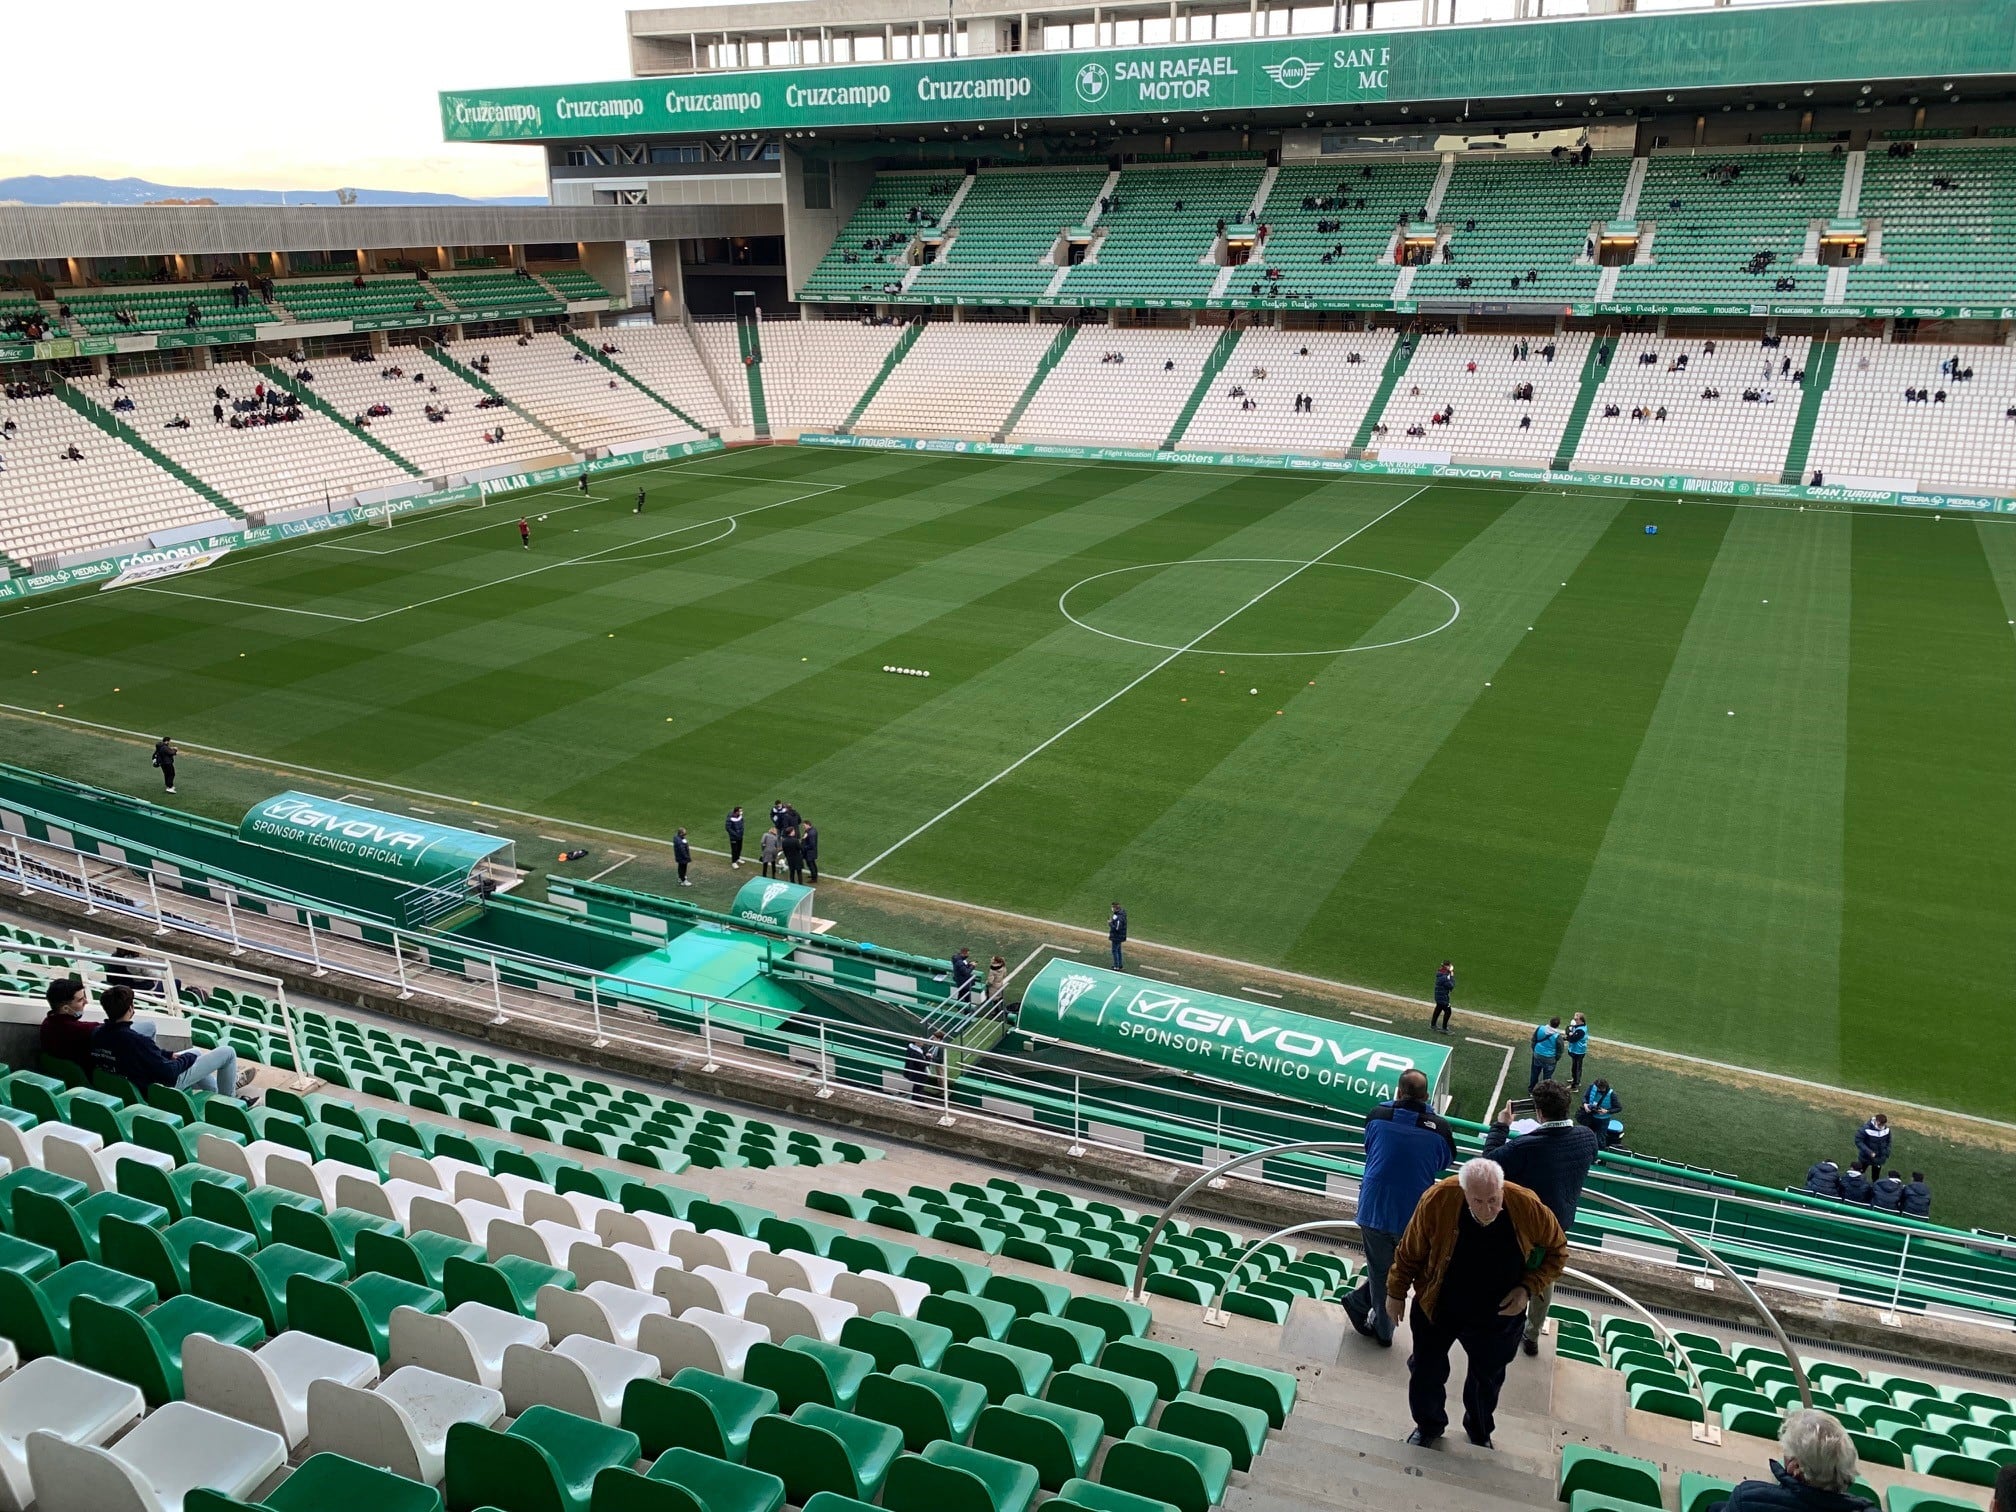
[627, 859]
[1355, 1013]
[1261, 992]
[1282, 973]
[1111, 698]
[419, 810]
[1491, 1103]
[215, 598]
[561, 839]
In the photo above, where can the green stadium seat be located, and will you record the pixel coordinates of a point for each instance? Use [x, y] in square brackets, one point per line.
[1699, 1492]
[922, 1404]
[696, 1410]
[1169, 1367]
[256, 1281]
[1089, 1496]
[1627, 1478]
[1064, 1342]
[36, 1314]
[146, 1349]
[894, 1340]
[1239, 1430]
[72, 1228]
[955, 1478]
[1059, 1442]
[329, 1483]
[1189, 1475]
[966, 1316]
[803, 1371]
[713, 1485]
[818, 1449]
[547, 1461]
[356, 1313]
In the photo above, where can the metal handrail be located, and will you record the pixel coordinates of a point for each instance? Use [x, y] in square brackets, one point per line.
[1136, 1290]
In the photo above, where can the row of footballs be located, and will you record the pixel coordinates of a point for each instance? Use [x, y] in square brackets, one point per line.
[906, 671]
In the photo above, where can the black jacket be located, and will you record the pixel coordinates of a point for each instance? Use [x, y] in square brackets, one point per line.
[1872, 1143]
[1785, 1494]
[1824, 1179]
[1855, 1187]
[1552, 1162]
[1888, 1195]
[136, 1057]
[1917, 1200]
[1116, 927]
[735, 823]
[811, 836]
[682, 850]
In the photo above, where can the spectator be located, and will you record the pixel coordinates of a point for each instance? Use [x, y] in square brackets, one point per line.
[962, 975]
[810, 834]
[1474, 1251]
[1823, 1179]
[65, 1035]
[1546, 1051]
[682, 853]
[1445, 988]
[2003, 1498]
[1872, 1145]
[918, 1056]
[997, 979]
[165, 752]
[1602, 1112]
[1918, 1204]
[120, 1046]
[135, 973]
[1817, 1473]
[1887, 1196]
[735, 826]
[1578, 1048]
[1116, 935]
[1551, 1160]
[1407, 1146]
[793, 846]
[772, 848]
[1855, 1187]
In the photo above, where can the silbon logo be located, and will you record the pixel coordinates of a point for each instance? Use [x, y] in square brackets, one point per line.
[1093, 82]
[1292, 73]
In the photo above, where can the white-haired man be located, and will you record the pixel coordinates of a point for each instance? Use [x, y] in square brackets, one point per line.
[1817, 1473]
[1475, 1251]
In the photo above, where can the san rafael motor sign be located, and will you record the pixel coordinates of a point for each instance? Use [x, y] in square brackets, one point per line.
[1267, 1049]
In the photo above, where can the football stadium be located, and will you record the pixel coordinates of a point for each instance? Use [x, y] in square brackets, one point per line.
[1027, 750]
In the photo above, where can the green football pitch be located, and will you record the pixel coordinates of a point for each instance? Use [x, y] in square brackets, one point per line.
[1743, 789]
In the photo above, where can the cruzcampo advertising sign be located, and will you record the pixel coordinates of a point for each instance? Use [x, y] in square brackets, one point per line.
[1270, 1050]
[391, 845]
[1721, 48]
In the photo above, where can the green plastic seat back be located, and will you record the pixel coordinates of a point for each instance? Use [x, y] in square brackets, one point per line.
[1058, 1441]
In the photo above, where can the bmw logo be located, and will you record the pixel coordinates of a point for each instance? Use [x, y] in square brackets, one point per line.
[1092, 83]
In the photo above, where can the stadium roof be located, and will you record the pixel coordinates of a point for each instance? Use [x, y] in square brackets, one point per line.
[1583, 64]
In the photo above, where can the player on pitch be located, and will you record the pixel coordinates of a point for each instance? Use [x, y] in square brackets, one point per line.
[525, 532]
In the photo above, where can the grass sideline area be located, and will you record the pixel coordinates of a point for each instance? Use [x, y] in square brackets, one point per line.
[1549, 786]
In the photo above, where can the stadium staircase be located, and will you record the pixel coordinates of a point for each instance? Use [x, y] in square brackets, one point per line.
[315, 401]
[896, 354]
[1593, 370]
[106, 421]
[749, 342]
[596, 355]
[1050, 359]
[1214, 364]
[1396, 368]
[469, 375]
[1819, 374]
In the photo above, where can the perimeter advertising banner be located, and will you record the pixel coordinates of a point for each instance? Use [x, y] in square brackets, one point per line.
[1720, 49]
[1270, 1050]
[393, 845]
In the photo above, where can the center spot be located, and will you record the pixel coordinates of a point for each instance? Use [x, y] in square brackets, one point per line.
[1326, 609]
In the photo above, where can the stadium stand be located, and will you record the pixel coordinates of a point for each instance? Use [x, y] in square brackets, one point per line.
[1340, 391]
[1353, 257]
[873, 247]
[1734, 227]
[1006, 230]
[1130, 402]
[1150, 248]
[1947, 217]
[663, 359]
[572, 284]
[453, 444]
[261, 467]
[960, 379]
[813, 371]
[160, 307]
[1729, 435]
[53, 507]
[379, 299]
[492, 295]
[569, 392]
[1534, 219]
[1962, 440]
[1483, 414]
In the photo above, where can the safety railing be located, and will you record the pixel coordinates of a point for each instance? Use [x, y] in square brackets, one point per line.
[1137, 1291]
[1192, 1125]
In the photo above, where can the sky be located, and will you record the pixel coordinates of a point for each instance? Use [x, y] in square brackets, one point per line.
[198, 96]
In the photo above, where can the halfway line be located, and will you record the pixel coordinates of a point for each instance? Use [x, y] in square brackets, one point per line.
[1130, 687]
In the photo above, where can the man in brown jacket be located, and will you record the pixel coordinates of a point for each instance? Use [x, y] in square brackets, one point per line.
[1474, 1251]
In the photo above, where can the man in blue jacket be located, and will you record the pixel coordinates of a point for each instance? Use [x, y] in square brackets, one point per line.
[145, 1064]
[1116, 935]
[1407, 1148]
[1445, 988]
[1552, 1161]
[1918, 1204]
[1823, 1179]
[1855, 1187]
[1546, 1051]
[1872, 1145]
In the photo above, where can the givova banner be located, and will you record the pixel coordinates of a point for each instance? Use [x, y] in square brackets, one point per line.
[1273, 1050]
[1722, 48]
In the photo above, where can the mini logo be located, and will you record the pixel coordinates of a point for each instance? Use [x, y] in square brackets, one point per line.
[773, 892]
[1156, 1006]
[1092, 83]
[1292, 73]
[1071, 989]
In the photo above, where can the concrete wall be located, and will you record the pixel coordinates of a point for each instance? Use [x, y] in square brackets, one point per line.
[808, 233]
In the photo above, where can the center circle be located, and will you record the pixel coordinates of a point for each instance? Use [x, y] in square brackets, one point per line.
[1455, 609]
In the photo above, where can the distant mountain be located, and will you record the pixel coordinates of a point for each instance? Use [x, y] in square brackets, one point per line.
[78, 188]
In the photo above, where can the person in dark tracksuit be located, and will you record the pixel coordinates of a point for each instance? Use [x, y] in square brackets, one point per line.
[1445, 988]
[735, 824]
[164, 758]
[1823, 1179]
[682, 852]
[793, 846]
[1887, 1196]
[1872, 1145]
[1855, 1187]
[1917, 1197]
[1578, 1046]
[638, 508]
[1116, 935]
[811, 838]
[962, 974]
